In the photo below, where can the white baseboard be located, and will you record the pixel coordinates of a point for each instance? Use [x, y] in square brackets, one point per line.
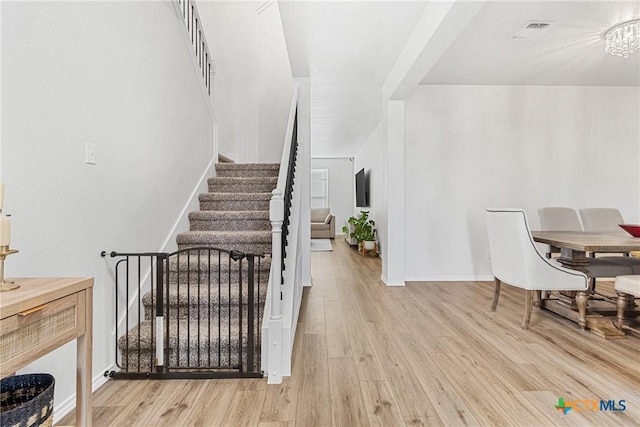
[439, 279]
[386, 282]
[451, 279]
[62, 409]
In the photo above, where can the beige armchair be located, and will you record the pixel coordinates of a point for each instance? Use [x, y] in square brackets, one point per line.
[323, 224]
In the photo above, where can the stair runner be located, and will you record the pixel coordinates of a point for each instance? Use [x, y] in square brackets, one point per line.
[233, 215]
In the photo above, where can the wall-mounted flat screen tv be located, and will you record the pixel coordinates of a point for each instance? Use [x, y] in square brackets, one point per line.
[362, 189]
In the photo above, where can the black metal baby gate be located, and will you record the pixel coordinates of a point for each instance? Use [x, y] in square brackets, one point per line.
[194, 313]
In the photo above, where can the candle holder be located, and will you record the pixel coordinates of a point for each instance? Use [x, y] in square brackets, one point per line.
[6, 285]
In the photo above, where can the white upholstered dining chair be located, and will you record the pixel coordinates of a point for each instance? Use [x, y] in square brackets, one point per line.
[607, 220]
[603, 220]
[516, 261]
[566, 219]
[558, 219]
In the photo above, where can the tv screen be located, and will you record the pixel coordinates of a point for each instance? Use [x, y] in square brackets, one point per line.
[362, 190]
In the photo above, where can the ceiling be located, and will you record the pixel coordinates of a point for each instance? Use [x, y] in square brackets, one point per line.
[347, 49]
[569, 52]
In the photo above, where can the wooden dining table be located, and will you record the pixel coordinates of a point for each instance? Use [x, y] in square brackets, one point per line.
[574, 247]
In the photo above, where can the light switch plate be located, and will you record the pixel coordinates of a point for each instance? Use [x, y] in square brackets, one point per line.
[90, 154]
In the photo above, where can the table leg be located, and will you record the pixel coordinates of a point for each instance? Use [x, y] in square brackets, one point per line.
[577, 260]
[84, 366]
[573, 259]
[496, 294]
[581, 300]
[621, 305]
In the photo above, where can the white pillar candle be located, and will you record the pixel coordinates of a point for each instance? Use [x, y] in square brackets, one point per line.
[5, 230]
[1, 195]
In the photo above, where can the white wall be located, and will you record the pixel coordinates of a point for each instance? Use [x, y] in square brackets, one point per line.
[341, 186]
[304, 159]
[393, 273]
[117, 75]
[253, 82]
[473, 147]
[372, 157]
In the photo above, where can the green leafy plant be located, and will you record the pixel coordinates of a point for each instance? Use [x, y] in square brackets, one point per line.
[363, 227]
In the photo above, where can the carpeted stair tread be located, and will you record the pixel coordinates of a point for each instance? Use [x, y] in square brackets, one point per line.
[249, 242]
[202, 303]
[227, 166]
[234, 180]
[247, 165]
[223, 159]
[192, 295]
[185, 328]
[248, 169]
[234, 201]
[213, 237]
[183, 334]
[192, 270]
[202, 277]
[194, 263]
[228, 215]
[183, 296]
[264, 196]
[229, 220]
[242, 184]
[197, 270]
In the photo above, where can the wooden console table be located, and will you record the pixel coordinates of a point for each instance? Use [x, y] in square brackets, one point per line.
[42, 315]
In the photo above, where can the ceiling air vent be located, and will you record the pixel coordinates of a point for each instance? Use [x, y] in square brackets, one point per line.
[532, 30]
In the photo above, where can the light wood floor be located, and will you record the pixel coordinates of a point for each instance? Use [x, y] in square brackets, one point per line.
[431, 353]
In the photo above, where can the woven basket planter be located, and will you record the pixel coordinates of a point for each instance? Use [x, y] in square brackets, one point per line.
[27, 400]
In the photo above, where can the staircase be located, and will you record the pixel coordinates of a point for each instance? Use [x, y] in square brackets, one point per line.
[205, 305]
[234, 215]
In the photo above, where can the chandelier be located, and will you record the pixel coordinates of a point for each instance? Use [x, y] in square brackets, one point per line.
[623, 39]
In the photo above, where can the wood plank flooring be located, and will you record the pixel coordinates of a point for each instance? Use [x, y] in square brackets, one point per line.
[428, 354]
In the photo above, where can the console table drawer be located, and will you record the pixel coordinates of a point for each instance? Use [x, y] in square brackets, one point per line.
[37, 330]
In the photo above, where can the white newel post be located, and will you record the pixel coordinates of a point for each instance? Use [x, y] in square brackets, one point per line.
[274, 359]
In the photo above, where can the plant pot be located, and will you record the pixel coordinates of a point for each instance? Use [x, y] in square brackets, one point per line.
[369, 245]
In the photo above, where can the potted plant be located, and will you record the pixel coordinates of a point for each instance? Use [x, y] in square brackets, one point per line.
[363, 230]
[349, 235]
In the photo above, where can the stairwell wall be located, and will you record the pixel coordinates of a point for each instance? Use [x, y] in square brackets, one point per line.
[117, 75]
[253, 84]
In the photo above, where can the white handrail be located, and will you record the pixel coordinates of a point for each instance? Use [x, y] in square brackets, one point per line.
[286, 150]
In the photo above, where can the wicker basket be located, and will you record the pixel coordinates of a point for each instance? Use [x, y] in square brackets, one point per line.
[27, 400]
